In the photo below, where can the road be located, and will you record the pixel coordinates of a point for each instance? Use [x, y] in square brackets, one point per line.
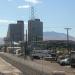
[8, 69]
[37, 67]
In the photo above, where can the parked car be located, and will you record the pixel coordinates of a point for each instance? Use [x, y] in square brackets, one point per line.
[39, 54]
[62, 58]
[65, 61]
[50, 57]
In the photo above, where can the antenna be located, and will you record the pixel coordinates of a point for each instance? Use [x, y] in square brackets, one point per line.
[32, 12]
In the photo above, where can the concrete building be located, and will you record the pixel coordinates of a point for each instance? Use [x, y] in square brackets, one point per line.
[16, 32]
[35, 30]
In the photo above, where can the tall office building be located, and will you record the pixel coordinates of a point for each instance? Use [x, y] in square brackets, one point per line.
[35, 30]
[16, 32]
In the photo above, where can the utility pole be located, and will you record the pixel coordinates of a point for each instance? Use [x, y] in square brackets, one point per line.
[68, 39]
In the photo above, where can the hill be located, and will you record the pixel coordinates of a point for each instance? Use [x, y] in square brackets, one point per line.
[56, 36]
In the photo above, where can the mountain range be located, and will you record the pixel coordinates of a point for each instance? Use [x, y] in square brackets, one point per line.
[50, 36]
[56, 36]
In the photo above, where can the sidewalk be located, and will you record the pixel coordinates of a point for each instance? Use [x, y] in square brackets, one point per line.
[8, 69]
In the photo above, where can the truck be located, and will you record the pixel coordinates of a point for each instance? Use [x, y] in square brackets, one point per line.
[72, 58]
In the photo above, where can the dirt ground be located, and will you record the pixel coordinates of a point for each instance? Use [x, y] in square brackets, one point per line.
[8, 69]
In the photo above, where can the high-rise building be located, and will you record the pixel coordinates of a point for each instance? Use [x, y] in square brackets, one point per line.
[16, 32]
[35, 30]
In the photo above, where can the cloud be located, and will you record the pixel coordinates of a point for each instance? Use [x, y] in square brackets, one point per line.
[33, 1]
[24, 6]
[9, 0]
[6, 21]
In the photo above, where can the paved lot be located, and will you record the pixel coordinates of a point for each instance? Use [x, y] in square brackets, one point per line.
[8, 69]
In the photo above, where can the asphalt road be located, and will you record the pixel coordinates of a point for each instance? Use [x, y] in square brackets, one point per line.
[37, 67]
[26, 66]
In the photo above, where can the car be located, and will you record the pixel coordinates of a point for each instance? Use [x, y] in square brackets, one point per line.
[49, 57]
[60, 58]
[65, 61]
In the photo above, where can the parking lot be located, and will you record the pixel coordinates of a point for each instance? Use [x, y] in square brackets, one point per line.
[53, 66]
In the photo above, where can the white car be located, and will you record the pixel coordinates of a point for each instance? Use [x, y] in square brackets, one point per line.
[65, 61]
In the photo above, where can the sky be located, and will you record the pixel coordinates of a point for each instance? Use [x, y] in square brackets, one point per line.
[55, 14]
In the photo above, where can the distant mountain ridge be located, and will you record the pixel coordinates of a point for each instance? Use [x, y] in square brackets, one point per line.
[56, 36]
[50, 36]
